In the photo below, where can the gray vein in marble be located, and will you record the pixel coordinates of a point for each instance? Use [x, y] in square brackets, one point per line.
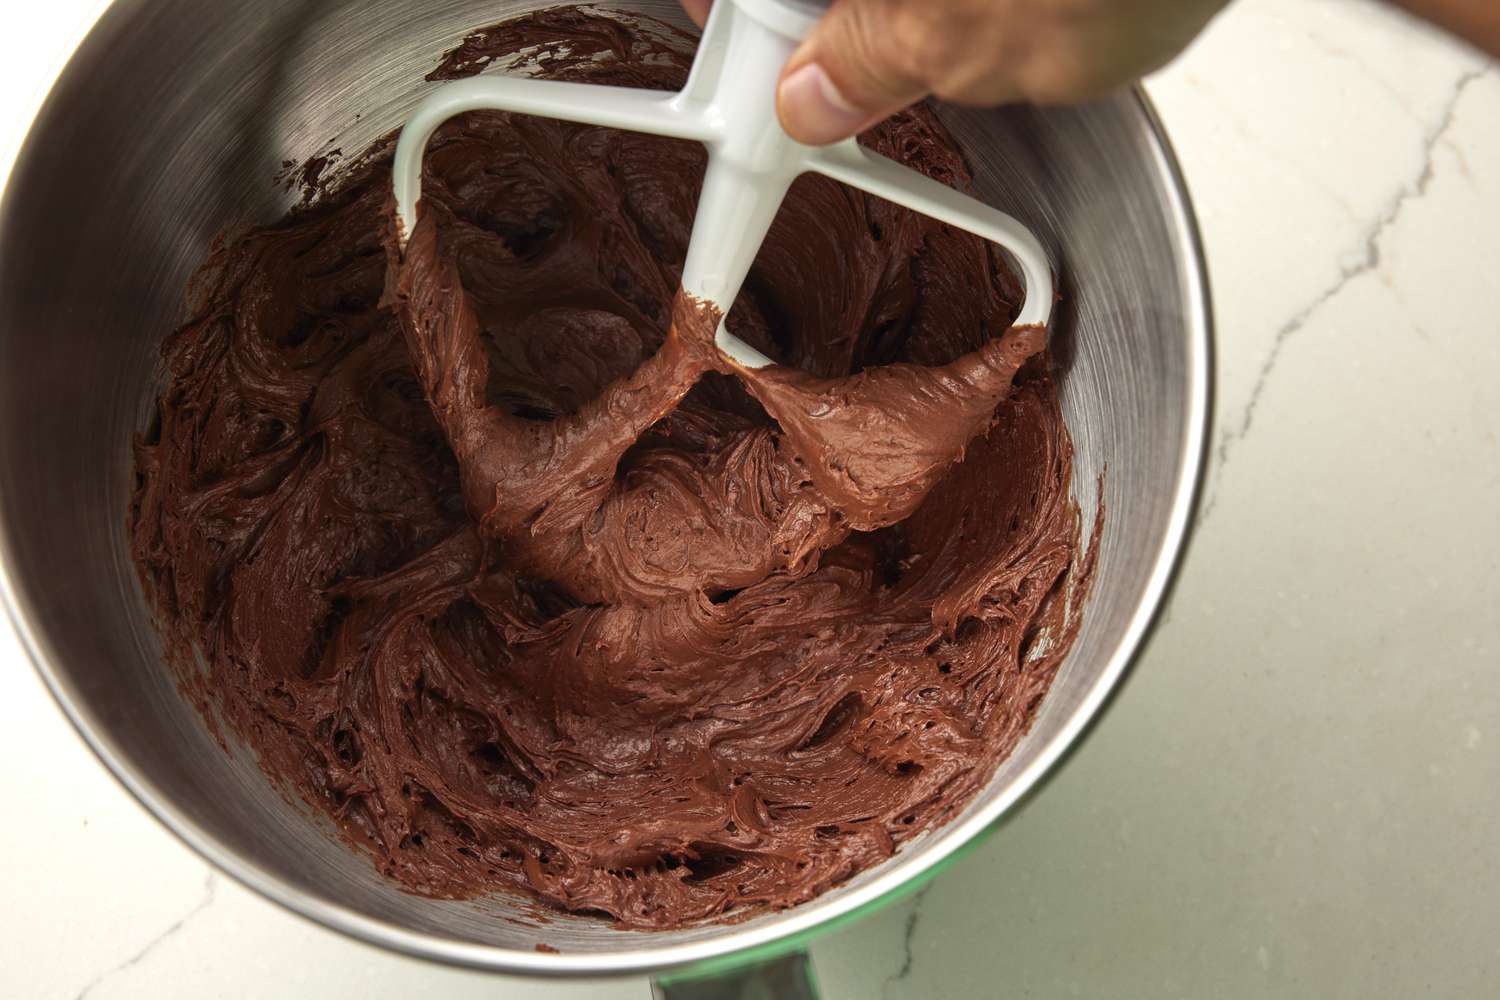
[210, 893]
[912, 919]
[1365, 262]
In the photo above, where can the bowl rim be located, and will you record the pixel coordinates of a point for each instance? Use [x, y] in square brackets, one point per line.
[752, 940]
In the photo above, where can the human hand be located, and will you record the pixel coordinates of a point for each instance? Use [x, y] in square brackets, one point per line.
[870, 58]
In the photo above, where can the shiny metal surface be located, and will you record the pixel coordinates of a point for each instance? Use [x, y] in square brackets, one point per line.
[170, 123]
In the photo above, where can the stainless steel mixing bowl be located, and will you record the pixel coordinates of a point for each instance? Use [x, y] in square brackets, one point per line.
[170, 123]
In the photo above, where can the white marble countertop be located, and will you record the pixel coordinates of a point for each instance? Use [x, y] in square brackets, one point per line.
[1295, 795]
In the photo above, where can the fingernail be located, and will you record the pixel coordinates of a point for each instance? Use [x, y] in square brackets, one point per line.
[812, 109]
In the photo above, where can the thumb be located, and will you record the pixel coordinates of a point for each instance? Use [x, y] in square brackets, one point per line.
[846, 76]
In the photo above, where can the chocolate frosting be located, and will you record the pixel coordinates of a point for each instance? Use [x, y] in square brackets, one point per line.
[491, 555]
